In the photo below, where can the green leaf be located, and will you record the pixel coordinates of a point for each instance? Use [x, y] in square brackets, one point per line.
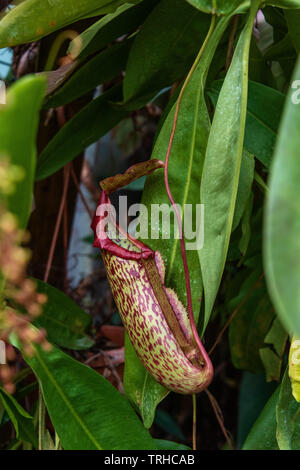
[264, 109]
[18, 128]
[65, 322]
[170, 50]
[250, 326]
[291, 4]
[263, 434]
[102, 68]
[87, 412]
[22, 421]
[254, 392]
[272, 355]
[126, 19]
[275, 17]
[222, 164]
[277, 337]
[263, 116]
[284, 53]
[293, 19]
[258, 67]
[91, 123]
[32, 19]
[140, 387]
[272, 364]
[282, 219]
[288, 416]
[219, 7]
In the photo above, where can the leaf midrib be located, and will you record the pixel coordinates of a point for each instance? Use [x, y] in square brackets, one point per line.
[188, 180]
[71, 328]
[66, 401]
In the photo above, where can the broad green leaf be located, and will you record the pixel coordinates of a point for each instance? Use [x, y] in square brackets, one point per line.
[272, 364]
[219, 7]
[250, 326]
[140, 387]
[275, 18]
[290, 4]
[282, 218]
[102, 68]
[170, 50]
[259, 71]
[187, 154]
[87, 412]
[22, 421]
[18, 128]
[65, 322]
[125, 20]
[91, 123]
[263, 434]
[222, 164]
[293, 20]
[33, 19]
[277, 337]
[264, 108]
[272, 355]
[281, 51]
[288, 417]
[284, 53]
[254, 392]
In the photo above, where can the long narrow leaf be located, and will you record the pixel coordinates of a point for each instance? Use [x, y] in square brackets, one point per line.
[222, 166]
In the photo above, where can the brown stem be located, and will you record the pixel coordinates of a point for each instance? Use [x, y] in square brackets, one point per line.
[218, 414]
[231, 41]
[65, 237]
[77, 185]
[194, 422]
[58, 221]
